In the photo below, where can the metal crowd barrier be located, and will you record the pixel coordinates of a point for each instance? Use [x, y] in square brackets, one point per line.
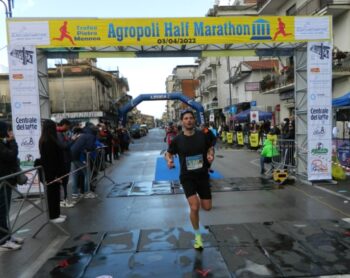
[96, 163]
[25, 198]
[286, 157]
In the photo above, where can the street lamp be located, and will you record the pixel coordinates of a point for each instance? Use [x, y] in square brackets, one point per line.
[8, 7]
[229, 88]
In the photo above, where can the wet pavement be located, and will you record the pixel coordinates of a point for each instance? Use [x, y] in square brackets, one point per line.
[271, 249]
[140, 228]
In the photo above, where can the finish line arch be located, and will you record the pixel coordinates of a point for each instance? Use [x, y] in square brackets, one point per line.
[308, 38]
[153, 97]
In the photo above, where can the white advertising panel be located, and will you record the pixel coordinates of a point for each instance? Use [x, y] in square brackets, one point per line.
[25, 105]
[29, 33]
[312, 28]
[319, 114]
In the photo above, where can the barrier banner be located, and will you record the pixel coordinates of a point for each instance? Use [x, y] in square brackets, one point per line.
[254, 140]
[319, 110]
[240, 140]
[229, 137]
[223, 136]
[25, 106]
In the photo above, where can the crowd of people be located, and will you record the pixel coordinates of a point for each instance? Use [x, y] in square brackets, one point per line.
[65, 148]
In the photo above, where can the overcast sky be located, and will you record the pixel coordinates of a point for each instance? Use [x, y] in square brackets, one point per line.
[145, 75]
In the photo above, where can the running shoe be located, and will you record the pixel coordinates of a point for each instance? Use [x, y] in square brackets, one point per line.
[198, 243]
[17, 240]
[9, 246]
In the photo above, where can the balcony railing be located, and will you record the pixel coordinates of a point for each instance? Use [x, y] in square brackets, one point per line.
[341, 61]
[271, 82]
[212, 105]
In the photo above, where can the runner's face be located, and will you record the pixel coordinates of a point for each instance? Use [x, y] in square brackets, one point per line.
[188, 121]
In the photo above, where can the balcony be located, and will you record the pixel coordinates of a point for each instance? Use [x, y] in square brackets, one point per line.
[269, 6]
[212, 85]
[341, 64]
[212, 105]
[278, 83]
[333, 7]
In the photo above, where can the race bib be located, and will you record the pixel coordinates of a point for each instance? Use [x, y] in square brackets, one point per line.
[194, 162]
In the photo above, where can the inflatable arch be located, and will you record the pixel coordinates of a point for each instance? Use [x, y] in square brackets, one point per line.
[172, 96]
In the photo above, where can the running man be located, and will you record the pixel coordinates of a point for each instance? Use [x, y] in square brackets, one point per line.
[64, 33]
[281, 29]
[196, 154]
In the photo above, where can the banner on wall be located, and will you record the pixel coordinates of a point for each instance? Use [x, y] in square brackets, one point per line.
[25, 106]
[94, 32]
[319, 114]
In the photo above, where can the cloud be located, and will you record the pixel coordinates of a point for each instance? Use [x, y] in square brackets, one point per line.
[4, 69]
[21, 9]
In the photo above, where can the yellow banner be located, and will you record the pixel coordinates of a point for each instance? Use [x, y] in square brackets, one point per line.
[240, 140]
[254, 140]
[92, 32]
[229, 137]
[223, 136]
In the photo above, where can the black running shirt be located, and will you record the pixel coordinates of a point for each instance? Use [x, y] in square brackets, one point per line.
[192, 151]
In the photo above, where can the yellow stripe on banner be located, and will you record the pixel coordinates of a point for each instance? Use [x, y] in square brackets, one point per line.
[115, 54]
[231, 53]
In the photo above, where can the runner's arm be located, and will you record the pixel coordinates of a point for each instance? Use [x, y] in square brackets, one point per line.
[170, 160]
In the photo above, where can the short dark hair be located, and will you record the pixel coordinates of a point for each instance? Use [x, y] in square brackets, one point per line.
[187, 111]
[65, 122]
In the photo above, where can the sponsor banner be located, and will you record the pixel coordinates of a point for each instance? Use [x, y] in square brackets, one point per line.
[254, 116]
[319, 110]
[240, 138]
[254, 140]
[92, 32]
[26, 122]
[229, 136]
[29, 33]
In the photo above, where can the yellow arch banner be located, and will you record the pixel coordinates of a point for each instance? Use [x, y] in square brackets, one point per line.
[94, 32]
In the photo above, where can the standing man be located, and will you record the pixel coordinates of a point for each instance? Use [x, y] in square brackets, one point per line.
[196, 153]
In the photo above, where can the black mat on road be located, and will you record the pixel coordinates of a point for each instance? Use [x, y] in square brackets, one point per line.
[149, 188]
[271, 249]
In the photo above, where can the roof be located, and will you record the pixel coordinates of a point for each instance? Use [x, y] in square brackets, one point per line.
[262, 65]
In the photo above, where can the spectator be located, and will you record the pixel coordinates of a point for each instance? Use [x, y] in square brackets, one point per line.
[8, 165]
[84, 142]
[64, 139]
[269, 150]
[170, 134]
[52, 161]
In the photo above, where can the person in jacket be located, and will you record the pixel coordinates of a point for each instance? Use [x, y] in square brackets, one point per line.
[8, 165]
[269, 150]
[52, 161]
[64, 139]
[84, 142]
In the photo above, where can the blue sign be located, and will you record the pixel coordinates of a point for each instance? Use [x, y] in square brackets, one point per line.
[253, 103]
[233, 109]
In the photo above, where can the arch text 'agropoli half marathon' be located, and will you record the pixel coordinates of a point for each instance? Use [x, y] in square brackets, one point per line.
[183, 29]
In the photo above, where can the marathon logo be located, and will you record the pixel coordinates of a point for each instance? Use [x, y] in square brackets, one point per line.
[26, 56]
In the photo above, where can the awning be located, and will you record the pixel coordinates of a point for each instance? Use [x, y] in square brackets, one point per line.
[244, 116]
[341, 101]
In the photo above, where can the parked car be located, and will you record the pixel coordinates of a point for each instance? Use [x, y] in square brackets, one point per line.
[135, 131]
[144, 128]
